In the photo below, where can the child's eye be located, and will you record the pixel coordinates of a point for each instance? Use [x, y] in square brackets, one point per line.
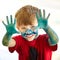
[23, 28]
[33, 27]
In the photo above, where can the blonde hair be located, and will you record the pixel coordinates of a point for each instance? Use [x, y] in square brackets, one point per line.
[26, 14]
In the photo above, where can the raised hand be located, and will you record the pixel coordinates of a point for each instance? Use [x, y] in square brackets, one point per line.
[42, 21]
[10, 26]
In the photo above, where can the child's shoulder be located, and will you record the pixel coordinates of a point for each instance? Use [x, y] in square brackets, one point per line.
[43, 38]
[43, 35]
[17, 37]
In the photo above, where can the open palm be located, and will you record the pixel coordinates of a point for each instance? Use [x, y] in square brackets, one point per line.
[42, 21]
[10, 27]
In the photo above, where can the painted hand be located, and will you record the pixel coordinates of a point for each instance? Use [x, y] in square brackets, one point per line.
[10, 27]
[42, 21]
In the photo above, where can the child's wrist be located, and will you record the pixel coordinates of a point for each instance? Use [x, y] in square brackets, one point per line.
[9, 35]
[46, 28]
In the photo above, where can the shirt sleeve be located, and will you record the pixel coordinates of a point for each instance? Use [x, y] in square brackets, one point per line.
[54, 48]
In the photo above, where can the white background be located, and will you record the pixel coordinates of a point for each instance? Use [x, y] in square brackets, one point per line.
[8, 7]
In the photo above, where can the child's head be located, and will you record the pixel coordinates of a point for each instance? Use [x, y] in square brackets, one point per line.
[26, 21]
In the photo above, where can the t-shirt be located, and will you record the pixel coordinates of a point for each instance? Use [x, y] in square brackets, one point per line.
[38, 49]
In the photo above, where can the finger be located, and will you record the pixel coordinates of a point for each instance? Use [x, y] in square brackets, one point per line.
[3, 23]
[40, 13]
[37, 16]
[48, 16]
[7, 19]
[11, 18]
[43, 13]
[14, 21]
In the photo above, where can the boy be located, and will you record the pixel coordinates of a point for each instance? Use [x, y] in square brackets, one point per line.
[29, 45]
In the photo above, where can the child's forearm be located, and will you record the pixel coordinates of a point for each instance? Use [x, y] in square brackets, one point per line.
[6, 39]
[53, 38]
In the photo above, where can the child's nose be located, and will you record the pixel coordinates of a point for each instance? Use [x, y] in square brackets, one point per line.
[28, 31]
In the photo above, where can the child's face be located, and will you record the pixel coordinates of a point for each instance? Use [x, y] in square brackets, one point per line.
[29, 32]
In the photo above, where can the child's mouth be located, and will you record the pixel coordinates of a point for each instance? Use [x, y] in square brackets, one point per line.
[29, 36]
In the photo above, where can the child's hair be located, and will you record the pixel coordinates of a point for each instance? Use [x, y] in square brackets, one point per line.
[26, 15]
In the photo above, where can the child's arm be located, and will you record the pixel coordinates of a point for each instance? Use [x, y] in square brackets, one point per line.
[7, 42]
[43, 23]
[10, 27]
[53, 38]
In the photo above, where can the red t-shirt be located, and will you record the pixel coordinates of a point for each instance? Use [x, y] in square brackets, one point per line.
[41, 45]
